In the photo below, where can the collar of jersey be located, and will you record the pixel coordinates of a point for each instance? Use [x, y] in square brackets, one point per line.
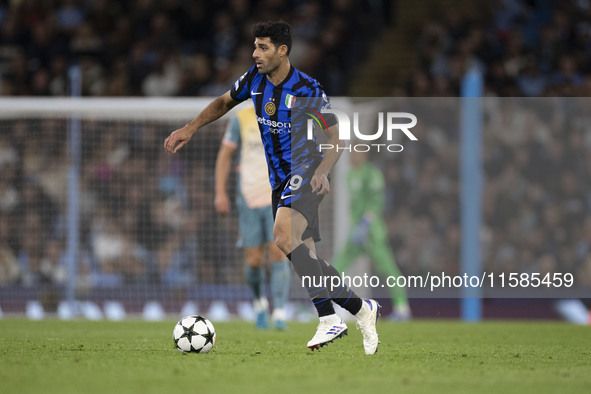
[289, 74]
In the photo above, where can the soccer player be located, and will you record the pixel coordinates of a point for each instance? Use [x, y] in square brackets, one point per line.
[255, 215]
[298, 173]
[368, 234]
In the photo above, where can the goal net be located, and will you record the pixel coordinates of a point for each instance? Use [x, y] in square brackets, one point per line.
[95, 211]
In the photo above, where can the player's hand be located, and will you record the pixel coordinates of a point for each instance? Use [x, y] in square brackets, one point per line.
[222, 204]
[320, 184]
[177, 139]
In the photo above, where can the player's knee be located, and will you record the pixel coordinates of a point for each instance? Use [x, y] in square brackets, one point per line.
[253, 261]
[275, 254]
[283, 243]
[253, 256]
[282, 240]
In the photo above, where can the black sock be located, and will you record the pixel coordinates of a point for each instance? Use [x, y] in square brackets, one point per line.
[342, 295]
[306, 266]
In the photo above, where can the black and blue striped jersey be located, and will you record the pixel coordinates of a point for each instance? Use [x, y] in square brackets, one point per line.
[282, 113]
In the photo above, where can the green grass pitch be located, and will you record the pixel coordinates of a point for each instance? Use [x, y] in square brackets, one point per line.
[429, 356]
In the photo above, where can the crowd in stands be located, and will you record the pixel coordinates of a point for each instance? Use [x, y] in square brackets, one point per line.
[147, 218]
[137, 228]
[536, 204]
[171, 47]
[523, 48]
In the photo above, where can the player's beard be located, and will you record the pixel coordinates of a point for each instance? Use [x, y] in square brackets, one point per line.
[268, 70]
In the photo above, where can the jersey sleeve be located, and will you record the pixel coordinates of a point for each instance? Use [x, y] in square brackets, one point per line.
[241, 89]
[318, 100]
[331, 119]
[232, 134]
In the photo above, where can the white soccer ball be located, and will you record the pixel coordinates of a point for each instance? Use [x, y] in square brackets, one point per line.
[194, 334]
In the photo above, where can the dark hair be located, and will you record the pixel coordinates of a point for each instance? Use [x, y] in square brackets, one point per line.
[278, 32]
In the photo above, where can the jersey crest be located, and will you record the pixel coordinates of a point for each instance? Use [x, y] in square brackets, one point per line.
[281, 117]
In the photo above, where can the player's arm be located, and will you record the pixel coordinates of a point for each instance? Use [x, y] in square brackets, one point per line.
[319, 181]
[222, 170]
[215, 110]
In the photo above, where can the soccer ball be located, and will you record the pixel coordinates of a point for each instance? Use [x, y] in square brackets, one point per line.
[194, 334]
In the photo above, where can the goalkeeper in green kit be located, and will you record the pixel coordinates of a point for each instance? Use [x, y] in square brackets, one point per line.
[368, 235]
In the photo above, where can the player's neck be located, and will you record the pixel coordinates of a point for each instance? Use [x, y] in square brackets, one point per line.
[280, 73]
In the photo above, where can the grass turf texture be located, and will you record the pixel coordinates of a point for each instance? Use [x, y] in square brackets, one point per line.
[417, 357]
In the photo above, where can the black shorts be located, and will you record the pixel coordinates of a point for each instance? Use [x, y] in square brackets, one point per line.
[296, 193]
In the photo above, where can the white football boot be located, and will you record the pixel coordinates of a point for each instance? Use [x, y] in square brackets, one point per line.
[330, 328]
[367, 318]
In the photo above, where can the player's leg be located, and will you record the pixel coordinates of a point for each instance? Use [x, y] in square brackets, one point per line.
[280, 271]
[289, 228]
[331, 326]
[280, 285]
[252, 240]
[255, 277]
[296, 229]
[366, 312]
[381, 254]
[343, 261]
